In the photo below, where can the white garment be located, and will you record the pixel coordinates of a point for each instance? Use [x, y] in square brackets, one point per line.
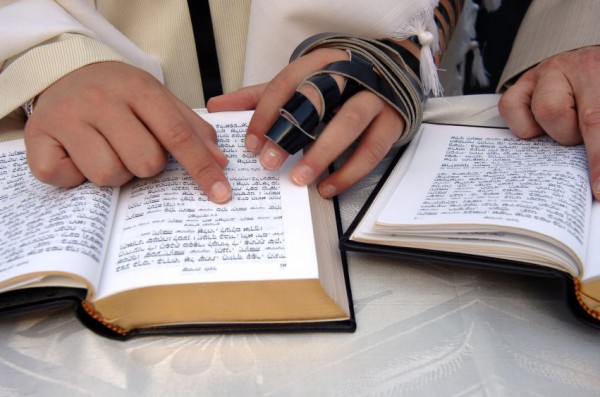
[275, 28]
[27, 23]
[284, 24]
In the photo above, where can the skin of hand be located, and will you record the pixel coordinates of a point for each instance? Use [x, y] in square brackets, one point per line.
[364, 115]
[108, 122]
[561, 97]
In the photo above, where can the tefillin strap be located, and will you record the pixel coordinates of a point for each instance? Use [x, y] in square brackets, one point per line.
[373, 65]
[402, 76]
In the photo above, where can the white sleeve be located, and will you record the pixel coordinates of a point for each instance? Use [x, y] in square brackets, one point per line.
[25, 24]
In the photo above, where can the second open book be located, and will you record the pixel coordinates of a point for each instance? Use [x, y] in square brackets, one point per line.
[481, 195]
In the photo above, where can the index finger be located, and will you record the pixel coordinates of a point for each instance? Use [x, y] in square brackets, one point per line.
[586, 85]
[183, 139]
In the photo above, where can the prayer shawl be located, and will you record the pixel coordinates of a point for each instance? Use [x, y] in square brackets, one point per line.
[275, 28]
[27, 23]
[283, 25]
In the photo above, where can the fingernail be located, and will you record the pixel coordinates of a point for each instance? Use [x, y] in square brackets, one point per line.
[271, 159]
[252, 143]
[220, 192]
[327, 191]
[302, 175]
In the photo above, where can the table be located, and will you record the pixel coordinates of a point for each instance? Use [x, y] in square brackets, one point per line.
[423, 329]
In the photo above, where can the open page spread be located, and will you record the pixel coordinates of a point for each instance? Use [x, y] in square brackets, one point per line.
[47, 230]
[487, 190]
[167, 232]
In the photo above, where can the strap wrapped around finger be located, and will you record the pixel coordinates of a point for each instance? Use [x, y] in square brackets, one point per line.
[298, 119]
[401, 75]
[377, 67]
[374, 67]
[294, 128]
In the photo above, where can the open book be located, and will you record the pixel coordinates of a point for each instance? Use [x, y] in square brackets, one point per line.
[481, 196]
[157, 257]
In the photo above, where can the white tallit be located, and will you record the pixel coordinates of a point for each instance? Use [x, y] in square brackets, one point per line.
[26, 23]
[275, 29]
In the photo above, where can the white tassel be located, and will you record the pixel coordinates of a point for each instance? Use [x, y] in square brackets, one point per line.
[423, 26]
[492, 5]
[428, 68]
[478, 73]
[470, 9]
[464, 42]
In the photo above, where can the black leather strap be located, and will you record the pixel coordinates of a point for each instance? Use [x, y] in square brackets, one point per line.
[328, 90]
[445, 15]
[373, 65]
[289, 136]
[301, 111]
[411, 61]
[361, 72]
[294, 128]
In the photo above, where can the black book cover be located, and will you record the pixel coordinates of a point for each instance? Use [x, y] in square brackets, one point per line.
[459, 259]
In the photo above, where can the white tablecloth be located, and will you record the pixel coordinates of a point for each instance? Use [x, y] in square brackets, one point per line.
[423, 329]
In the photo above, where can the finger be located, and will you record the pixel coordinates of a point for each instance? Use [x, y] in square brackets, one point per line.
[586, 85]
[515, 108]
[137, 148]
[351, 120]
[205, 131]
[590, 126]
[88, 151]
[167, 123]
[48, 160]
[96, 159]
[272, 155]
[280, 90]
[316, 97]
[243, 99]
[553, 106]
[375, 143]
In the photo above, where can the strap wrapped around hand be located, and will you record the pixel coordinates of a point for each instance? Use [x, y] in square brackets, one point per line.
[373, 66]
[393, 72]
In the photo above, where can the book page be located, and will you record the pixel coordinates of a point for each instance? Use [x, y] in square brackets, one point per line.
[46, 229]
[463, 179]
[167, 232]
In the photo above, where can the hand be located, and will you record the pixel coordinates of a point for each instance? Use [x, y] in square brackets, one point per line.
[560, 97]
[109, 121]
[364, 115]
